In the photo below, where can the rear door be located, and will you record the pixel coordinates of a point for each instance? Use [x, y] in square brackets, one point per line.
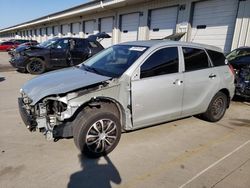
[201, 81]
[157, 94]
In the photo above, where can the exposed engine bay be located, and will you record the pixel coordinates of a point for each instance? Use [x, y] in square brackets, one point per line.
[242, 81]
[51, 115]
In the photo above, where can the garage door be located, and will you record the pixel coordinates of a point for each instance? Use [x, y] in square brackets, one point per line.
[44, 37]
[129, 27]
[107, 27]
[65, 29]
[56, 30]
[33, 34]
[213, 23]
[50, 33]
[89, 28]
[75, 29]
[162, 22]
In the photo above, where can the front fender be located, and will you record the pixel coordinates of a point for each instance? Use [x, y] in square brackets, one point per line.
[109, 94]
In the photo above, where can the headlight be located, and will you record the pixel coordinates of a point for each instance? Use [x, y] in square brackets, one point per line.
[26, 99]
[17, 55]
[22, 53]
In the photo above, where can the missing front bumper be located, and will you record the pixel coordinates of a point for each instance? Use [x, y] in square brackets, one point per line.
[26, 117]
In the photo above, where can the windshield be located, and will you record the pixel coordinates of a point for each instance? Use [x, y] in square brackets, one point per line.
[114, 61]
[47, 43]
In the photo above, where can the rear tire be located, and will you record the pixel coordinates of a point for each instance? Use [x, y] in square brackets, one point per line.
[216, 108]
[96, 131]
[36, 66]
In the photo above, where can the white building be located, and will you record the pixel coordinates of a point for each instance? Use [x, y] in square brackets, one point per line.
[223, 23]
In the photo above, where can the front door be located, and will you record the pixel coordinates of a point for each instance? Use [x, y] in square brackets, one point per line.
[80, 51]
[157, 94]
[59, 53]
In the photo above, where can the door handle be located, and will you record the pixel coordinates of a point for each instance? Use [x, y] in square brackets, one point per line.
[212, 76]
[177, 82]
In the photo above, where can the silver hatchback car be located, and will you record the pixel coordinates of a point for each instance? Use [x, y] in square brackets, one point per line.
[126, 87]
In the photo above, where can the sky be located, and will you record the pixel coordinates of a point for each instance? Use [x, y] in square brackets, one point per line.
[13, 12]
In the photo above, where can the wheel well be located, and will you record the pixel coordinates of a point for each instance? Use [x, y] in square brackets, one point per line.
[39, 57]
[109, 104]
[226, 92]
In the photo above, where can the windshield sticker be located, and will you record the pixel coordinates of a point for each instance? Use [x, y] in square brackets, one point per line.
[140, 49]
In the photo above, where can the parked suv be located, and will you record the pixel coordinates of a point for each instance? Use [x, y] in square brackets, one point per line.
[56, 53]
[126, 87]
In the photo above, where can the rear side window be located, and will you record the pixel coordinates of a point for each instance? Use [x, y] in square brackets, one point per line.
[195, 59]
[81, 44]
[93, 44]
[164, 61]
[217, 58]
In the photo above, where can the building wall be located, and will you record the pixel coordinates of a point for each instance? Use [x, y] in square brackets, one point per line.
[241, 34]
[242, 26]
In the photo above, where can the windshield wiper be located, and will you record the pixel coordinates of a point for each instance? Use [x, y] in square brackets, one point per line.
[91, 69]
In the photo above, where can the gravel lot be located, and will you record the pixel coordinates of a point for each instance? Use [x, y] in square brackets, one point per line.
[184, 153]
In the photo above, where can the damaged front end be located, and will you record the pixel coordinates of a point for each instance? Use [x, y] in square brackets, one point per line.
[53, 114]
[43, 116]
[242, 81]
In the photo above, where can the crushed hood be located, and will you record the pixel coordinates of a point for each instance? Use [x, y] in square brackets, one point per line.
[59, 82]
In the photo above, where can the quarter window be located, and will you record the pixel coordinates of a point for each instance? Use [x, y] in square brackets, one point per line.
[81, 44]
[217, 58]
[164, 61]
[195, 59]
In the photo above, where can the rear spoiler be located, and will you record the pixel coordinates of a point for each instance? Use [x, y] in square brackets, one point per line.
[98, 36]
[174, 37]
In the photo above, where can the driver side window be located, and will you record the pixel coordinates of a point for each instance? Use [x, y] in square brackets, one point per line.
[62, 44]
[163, 61]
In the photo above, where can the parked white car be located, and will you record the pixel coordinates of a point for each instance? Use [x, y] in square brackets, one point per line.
[126, 87]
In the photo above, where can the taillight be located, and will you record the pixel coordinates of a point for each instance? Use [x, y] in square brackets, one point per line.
[232, 69]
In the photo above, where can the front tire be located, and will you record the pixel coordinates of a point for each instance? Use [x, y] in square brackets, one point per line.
[96, 132]
[216, 108]
[36, 66]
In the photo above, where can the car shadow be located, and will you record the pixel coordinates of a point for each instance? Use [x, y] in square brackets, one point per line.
[2, 79]
[94, 174]
[240, 99]
[240, 122]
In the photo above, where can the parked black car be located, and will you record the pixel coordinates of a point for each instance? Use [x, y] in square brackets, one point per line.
[240, 60]
[57, 53]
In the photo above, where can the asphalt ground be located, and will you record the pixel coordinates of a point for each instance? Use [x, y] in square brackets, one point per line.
[185, 153]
